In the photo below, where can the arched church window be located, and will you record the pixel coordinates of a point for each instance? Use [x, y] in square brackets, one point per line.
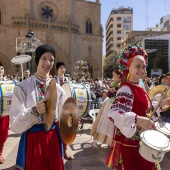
[88, 26]
[47, 12]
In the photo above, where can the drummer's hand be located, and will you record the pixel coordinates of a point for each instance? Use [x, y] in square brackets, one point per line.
[112, 90]
[41, 107]
[145, 123]
[165, 102]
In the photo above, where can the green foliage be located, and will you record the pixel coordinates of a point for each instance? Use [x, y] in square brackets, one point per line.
[110, 63]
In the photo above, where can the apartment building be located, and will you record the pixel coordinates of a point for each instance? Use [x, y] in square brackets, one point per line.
[119, 23]
[164, 25]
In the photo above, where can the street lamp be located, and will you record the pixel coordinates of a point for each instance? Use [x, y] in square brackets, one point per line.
[28, 44]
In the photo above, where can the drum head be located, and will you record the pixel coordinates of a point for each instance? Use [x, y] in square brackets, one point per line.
[69, 121]
[67, 89]
[152, 139]
[81, 95]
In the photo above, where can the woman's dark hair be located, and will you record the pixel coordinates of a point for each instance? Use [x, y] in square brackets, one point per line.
[162, 76]
[118, 72]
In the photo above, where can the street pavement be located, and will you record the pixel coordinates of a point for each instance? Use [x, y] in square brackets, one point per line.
[86, 157]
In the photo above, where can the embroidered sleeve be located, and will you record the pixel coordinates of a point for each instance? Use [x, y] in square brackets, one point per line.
[21, 118]
[121, 112]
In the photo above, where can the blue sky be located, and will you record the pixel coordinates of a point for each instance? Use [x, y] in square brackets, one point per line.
[153, 10]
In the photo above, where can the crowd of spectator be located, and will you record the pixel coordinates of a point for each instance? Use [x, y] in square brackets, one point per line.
[98, 87]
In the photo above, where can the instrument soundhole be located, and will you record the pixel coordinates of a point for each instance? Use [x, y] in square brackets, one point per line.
[70, 120]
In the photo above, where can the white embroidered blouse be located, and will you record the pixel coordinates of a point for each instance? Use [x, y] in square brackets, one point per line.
[24, 98]
[121, 112]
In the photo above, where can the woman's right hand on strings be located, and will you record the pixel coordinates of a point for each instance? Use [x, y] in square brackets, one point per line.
[145, 123]
[41, 107]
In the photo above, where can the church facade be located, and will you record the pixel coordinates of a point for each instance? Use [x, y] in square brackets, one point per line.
[72, 27]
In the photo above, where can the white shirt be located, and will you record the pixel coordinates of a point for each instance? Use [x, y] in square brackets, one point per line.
[24, 98]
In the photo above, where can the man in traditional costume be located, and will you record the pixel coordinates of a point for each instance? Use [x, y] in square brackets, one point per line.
[38, 148]
[6, 89]
[61, 70]
[60, 79]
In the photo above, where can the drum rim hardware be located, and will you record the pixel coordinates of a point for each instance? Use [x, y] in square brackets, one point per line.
[144, 140]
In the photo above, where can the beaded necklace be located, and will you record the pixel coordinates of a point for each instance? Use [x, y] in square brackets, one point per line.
[133, 83]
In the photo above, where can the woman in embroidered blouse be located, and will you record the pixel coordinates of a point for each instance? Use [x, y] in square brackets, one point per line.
[38, 149]
[102, 129]
[129, 111]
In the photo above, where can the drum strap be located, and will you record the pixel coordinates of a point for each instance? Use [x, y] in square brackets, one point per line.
[6, 91]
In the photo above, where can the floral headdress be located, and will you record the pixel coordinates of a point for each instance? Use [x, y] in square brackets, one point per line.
[127, 56]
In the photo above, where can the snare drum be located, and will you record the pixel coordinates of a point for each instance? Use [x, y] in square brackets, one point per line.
[6, 91]
[81, 94]
[153, 145]
[163, 127]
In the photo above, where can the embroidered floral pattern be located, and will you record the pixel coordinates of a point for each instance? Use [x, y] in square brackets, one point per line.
[40, 90]
[124, 102]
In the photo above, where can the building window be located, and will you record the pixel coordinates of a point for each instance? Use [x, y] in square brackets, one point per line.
[118, 38]
[127, 20]
[126, 26]
[88, 27]
[119, 32]
[47, 12]
[118, 45]
[118, 25]
[118, 18]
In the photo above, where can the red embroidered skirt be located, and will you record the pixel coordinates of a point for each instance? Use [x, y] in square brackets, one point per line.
[132, 160]
[4, 126]
[43, 151]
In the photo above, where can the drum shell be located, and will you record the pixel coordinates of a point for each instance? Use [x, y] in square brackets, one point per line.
[153, 151]
[82, 96]
[6, 92]
[148, 153]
